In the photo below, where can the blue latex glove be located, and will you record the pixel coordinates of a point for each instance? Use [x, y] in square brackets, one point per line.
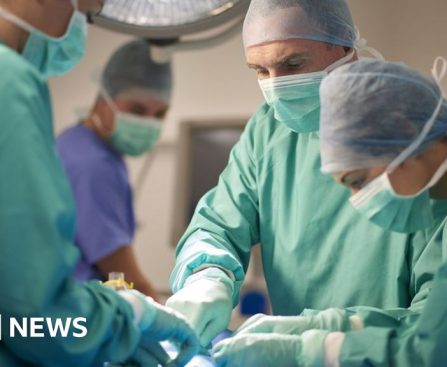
[159, 323]
[267, 350]
[331, 319]
[206, 302]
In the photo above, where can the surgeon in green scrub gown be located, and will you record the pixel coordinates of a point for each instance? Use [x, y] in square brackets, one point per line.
[317, 251]
[41, 38]
[393, 157]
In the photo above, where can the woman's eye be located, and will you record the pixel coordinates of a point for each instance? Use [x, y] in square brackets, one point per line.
[358, 183]
[161, 115]
[138, 110]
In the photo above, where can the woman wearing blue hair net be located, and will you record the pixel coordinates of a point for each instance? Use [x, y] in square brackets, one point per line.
[273, 193]
[384, 136]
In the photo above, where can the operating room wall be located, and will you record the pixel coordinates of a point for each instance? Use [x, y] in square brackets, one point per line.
[215, 83]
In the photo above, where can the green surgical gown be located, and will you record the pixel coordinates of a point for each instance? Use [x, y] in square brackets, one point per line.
[416, 340]
[37, 221]
[317, 251]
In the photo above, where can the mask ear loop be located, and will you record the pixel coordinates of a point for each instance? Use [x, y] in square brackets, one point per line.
[439, 71]
[345, 59]
[108, 100]
[75, 4]
[16, 20]
[360, 44]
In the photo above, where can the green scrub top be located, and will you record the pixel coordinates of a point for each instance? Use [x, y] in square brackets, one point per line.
[317, 251]
[416, 340]
[37, 221]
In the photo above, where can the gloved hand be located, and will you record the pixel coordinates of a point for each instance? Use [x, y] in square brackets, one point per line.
[331, 319]
[267, 350]
[146, 356]
[158, 323]
[206, 302]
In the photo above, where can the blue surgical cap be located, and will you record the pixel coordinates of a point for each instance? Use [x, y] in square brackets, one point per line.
[372, 110]
[319, 20]
[131, 67]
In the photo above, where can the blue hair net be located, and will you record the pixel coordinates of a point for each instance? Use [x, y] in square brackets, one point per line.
[372, 110]
[131, 67]
[319, 20]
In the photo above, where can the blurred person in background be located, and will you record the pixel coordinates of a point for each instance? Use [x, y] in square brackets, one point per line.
[125, 120]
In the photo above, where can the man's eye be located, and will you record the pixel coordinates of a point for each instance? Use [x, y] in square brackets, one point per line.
[294, 65]
[262, 72]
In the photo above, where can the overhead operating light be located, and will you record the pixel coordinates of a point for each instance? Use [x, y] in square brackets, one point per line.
[168, 19]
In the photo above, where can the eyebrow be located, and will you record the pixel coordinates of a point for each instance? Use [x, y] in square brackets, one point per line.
[254, 66]
[303, 56]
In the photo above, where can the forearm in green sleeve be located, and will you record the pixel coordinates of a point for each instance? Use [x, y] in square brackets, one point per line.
[111, 333]
[203, 250]
[225, 224]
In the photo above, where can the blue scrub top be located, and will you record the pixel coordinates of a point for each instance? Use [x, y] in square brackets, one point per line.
[100, 183]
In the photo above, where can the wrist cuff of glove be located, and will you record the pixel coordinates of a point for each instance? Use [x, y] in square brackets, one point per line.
[313, 347]
[144, 315]
[333, 319]
[212, 273]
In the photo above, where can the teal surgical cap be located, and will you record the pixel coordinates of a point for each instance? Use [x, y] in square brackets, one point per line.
[132, 68]
[372, 110]
[319, 20]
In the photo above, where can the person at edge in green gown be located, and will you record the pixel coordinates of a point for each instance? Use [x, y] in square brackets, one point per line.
[394, 164]
[38, 39]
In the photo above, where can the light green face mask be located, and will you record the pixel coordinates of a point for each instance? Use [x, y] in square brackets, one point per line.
[53, 55]
[134, 135]
[296, 98]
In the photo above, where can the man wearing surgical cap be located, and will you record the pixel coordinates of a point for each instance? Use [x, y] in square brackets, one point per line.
[125, 120]
[384, 136]
[317, 251]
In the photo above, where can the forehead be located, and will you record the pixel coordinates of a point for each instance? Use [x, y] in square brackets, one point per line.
[148, 103]
[142, 96]
[270, 53]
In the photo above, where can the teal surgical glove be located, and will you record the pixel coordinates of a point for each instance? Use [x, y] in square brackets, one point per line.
[331, 319]
[159, 323]
[206, 303]
[267, 350]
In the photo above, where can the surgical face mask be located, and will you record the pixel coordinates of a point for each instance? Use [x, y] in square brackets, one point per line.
[132, 135]
[54, 56]
[135, 135]
[394, 212]
[391, 211]
[296, 98]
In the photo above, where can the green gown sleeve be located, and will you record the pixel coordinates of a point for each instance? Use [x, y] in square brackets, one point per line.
[413, 339]
[225, 224]
[417, 340]
[37, 220]
[424, 256]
